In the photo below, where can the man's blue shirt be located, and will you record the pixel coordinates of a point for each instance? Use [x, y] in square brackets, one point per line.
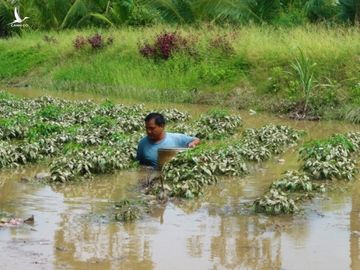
[147, 152]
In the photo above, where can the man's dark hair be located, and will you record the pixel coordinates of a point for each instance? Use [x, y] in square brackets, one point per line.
[158, 117]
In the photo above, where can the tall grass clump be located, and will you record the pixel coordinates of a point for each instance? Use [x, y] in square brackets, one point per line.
[304, 69]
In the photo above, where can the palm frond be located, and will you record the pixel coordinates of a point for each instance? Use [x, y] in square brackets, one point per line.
[173, 10]
[97, 16]
[348, 10]
[77, 11]
[119, 10]
[6, 17]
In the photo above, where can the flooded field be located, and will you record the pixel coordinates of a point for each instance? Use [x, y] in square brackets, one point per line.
[72, 229]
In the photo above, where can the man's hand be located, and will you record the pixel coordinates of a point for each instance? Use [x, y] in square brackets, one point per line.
[194, 143]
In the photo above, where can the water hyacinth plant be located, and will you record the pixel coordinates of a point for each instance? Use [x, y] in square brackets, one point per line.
[12, 155]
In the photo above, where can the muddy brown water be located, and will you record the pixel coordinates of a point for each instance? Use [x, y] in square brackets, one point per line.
[72, 229]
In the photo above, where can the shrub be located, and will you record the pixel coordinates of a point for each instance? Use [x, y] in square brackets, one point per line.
[216, 73]
[165, 45]
[96, 42]
[223, 44]
[79, 42]
[353, 115]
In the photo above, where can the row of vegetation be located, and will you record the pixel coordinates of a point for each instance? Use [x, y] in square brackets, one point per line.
[322, 161]
[87, 138]
[90, 138]
[189, 172]
[57, 15]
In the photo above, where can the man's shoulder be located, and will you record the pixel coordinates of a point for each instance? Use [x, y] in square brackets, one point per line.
[143, 141]
[174, 134]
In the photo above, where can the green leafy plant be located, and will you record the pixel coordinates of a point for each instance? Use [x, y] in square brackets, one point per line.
[217, 124]
[50, 112]
[275, 138]
[329, 158]
[294, 181]
[41, 129]
[174, 115]
[274, 203]
[85, 162]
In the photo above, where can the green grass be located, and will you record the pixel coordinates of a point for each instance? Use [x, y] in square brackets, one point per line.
[260, 62]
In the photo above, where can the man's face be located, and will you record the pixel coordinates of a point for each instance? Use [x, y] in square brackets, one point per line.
[154, 131]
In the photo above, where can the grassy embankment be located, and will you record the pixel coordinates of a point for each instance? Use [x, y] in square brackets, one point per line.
[247, 67]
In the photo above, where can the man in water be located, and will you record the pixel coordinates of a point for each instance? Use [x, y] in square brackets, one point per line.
[147, 152]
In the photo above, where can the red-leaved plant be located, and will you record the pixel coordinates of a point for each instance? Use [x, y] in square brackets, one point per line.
[96, 41]
[165, 45]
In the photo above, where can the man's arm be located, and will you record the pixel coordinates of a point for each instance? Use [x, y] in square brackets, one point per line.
[139, 153]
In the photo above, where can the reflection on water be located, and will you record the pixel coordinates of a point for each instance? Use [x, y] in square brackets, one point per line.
[73, 230]
[355, 229]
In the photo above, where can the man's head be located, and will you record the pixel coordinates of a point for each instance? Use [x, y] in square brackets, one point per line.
[155, 126]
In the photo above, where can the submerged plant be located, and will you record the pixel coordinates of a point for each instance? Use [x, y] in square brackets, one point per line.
[130, 210]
